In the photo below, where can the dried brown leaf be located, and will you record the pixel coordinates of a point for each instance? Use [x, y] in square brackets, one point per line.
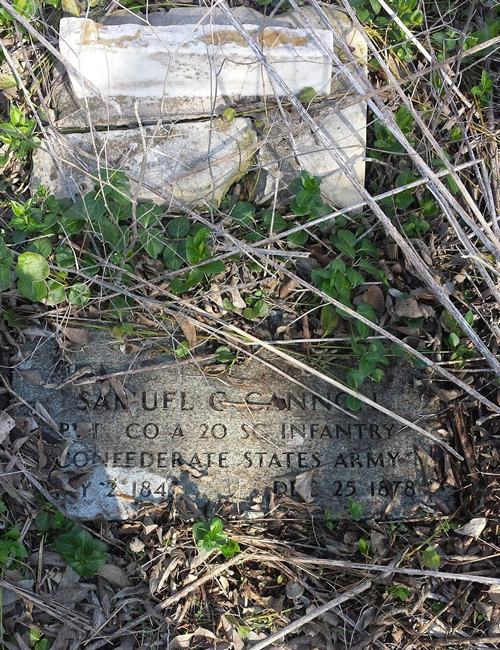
[303, 485]
[76, 335]
[114, 575]
[7, 423]
[33, 377]
[374, 296]
[188, 329]
[287, 288]
[474, 528]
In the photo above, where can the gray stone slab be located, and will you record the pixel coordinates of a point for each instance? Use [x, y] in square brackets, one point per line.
[128, 439]
[193, 163]
[200, 15]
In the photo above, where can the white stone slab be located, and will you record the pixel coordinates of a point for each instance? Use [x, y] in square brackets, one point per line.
[131, 52]
[281, 160]
[301, 147]
[191, 60]
[192, 162]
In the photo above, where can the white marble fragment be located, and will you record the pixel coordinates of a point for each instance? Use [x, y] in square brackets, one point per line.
[283, 160]
[343, 126]
[191, 60]
[193, 163]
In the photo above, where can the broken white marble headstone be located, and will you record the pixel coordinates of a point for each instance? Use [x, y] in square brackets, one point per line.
[191, 60]
[192, 63]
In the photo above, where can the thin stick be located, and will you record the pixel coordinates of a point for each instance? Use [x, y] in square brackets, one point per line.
[307, 618]
[130, 371]
[380, 568]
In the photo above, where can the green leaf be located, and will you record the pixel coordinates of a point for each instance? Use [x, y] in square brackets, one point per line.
[298, 238]
[42, 246]
[210, 535]
[259, 309]
[454, 340]
[182, 350]
[213, 268]
[230, 548]
[368, 267]
[34, 290]
[354, 278]
[243, 213]
[400, 592]
[430, 558]
[429, 207]
[71, 224]
[367, 311]
[178, 227]
[11, 546]
[70, 7]
[65, 257]
[329, 319]
[377, 375]
[81, 551]
[89, 207]
[16, 115]
[174, 255]
[152, 241]
[364, 546]
[367, 247]
[229, 114]
[56, 293]
[276, 221]
[89, 266]
[32, 266]
[197, 246]
[450, 323]
[404, 119]
[216, 526]
[79, 294]
[353, 403]
[223, 354]
[110, 233]
[345, 242]
[6, 257]
[307, 95]
[149, 215]
[355, 510]
[43, 521]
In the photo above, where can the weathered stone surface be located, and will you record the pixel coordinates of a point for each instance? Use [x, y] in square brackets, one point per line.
[192, 162]
[119, 110]
[134, 425]
[214, 15]
[344, 126]
[280, 160]
[289, 145]
[190, 60]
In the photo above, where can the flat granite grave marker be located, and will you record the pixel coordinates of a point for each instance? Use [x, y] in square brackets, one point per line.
[134, 425]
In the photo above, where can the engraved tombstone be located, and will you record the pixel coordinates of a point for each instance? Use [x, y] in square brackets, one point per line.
[131, 426]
